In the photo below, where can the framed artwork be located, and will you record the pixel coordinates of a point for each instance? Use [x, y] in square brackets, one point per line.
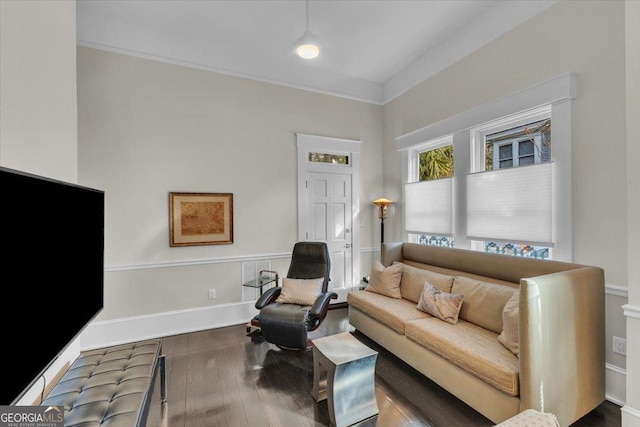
[201, 219]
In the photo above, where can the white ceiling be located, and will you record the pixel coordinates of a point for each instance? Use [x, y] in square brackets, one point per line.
[371, 50]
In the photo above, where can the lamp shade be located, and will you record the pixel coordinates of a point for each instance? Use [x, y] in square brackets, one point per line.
[382, 202]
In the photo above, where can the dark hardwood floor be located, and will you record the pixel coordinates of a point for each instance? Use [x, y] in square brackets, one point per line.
[221, 377]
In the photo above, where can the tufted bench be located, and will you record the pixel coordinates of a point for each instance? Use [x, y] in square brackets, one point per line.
[110, 386]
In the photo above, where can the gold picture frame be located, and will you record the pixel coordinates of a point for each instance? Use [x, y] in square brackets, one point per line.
[200, 219]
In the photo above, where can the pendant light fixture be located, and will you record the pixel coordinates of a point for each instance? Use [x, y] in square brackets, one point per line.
[307, 45]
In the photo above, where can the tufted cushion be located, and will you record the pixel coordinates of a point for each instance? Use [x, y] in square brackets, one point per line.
[108, 387]
[300, 291]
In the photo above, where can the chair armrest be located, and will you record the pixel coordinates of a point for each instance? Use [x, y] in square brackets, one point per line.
[320, 305]
[269, 296]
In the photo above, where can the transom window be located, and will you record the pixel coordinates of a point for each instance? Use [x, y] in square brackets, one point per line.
[336, 159]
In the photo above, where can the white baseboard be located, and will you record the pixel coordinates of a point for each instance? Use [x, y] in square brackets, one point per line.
[124, 330]
[630, 417]
[616, 384]
[107, 333]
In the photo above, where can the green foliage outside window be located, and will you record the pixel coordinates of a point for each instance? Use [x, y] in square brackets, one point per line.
[339, 159]
[436, 164]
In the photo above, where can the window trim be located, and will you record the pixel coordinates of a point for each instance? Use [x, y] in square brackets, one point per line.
[346, 154]
[557, 95]
[478, 133]
[415, 152]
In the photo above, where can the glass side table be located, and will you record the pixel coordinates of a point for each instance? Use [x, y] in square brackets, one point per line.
[265, 277]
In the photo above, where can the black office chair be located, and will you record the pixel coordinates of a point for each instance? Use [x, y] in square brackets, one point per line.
[286, 324]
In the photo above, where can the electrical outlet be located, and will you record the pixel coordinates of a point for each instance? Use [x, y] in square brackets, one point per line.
[620, 346]
[212, 294]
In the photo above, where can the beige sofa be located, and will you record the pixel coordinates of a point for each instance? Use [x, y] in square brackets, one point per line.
[559, 315]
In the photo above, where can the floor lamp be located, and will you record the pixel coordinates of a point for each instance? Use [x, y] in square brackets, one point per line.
[382, 204]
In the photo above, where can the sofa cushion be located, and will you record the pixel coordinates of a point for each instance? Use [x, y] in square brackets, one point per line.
[471, 348]
[509, 337]
[385, 281]
[483, 301]
[413, 279]
[443, 305]
[392, 312]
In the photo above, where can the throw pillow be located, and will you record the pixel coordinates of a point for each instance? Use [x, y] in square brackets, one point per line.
[300, 291]
[385, 281]
[510, 315]
[443, 305]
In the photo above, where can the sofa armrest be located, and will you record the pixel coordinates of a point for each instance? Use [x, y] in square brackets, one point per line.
[562, 342]
[391, 252]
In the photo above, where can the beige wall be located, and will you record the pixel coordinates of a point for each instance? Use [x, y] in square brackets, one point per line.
[588, 39]
[38, 120]
[38, 116]
[147, 128]
[143, 124]
[631, 412]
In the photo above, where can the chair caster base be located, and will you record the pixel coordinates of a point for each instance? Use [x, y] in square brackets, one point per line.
[255, 334]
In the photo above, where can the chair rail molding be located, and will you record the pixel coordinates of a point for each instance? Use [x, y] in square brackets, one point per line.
[631, 310]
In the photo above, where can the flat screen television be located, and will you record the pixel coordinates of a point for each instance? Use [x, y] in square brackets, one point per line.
[52, 272]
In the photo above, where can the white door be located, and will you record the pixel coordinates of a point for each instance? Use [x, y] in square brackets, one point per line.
[328, 210]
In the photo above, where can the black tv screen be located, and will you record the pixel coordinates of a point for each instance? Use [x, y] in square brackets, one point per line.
[52, 272]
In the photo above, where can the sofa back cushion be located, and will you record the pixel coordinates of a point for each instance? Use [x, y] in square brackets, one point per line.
[503, 267]
[414, 278]
[451, 272]
[483, 301]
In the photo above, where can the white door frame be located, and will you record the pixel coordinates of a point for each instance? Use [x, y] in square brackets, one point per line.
[314, 143]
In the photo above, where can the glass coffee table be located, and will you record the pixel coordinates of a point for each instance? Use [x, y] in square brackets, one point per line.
[344, 375]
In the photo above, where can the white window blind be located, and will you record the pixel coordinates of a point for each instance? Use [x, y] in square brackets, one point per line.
[512, 205]
[428, 207]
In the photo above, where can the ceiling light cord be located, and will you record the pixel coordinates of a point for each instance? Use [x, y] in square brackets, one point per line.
[307, 15]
